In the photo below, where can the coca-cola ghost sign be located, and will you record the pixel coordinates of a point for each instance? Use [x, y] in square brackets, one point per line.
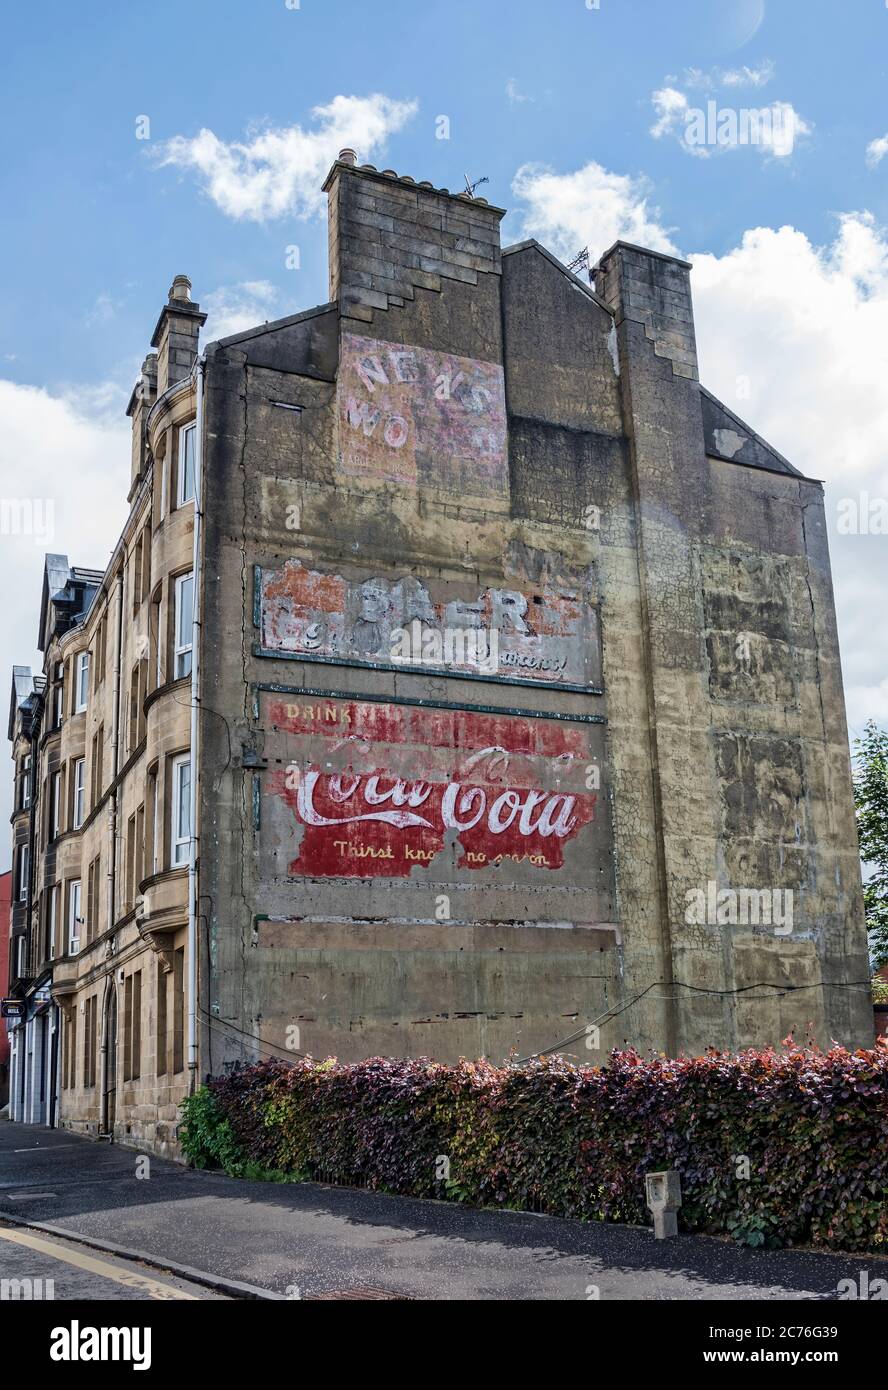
[378, 790]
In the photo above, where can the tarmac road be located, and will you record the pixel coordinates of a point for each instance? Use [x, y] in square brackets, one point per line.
[311, 1241]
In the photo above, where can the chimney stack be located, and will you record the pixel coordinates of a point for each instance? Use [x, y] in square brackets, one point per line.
[651, 288]
[391, 236]
[176, 335]
[140, 403]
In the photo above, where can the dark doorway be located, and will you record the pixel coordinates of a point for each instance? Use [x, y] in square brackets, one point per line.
[52, 1117]
[109, 1106]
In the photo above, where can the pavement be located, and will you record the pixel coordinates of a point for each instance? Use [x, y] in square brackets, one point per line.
[34, 1266]
[223, 1236]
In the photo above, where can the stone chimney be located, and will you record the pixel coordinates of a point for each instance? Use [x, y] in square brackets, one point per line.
[176, 335]
[391, 236]
[655, 290]
[140, 403]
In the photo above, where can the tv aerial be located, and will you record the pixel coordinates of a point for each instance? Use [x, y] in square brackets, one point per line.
[580, 261]
[470, 187]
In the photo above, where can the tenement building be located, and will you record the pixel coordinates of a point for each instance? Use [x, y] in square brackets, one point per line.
[465, 682]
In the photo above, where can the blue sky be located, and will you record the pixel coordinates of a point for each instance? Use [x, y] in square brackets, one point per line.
[94, 231]
[578, 116]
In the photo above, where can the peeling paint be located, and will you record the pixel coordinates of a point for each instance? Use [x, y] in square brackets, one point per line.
[413, 416]
[613, 348]
[549, 635]
[729, 442]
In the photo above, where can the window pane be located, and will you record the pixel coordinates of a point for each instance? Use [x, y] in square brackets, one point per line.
[82, 679]
[74, 911]
[181, 817]
[184, 800]
[186, 465]
[79, 791]
[186, 586]
[184, 601]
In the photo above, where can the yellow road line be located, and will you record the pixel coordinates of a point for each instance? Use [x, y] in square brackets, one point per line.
[153, 1287]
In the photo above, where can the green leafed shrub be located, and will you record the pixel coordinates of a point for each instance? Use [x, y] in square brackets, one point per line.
[773, 1148]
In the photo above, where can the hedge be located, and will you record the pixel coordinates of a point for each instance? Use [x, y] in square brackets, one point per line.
[773, 1148]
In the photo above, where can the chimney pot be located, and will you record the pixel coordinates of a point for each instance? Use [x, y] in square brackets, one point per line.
[348, 156]
[180, 288]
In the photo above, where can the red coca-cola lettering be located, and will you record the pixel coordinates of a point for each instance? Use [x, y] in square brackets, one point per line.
[377, 824]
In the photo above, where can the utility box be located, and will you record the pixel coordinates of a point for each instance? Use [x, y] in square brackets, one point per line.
[663, 1195]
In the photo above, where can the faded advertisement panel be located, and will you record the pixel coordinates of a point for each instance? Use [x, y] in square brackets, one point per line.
[414, 416]
[550, 637]
[359, 789]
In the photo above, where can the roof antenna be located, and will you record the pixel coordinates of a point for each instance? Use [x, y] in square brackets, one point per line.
[580, 261]
[470, 187]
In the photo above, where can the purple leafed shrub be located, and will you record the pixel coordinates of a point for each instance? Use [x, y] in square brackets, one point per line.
[773, 1148]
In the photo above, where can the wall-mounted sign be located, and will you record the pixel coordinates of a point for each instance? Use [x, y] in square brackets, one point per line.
[417, 417]
[547, 637]
[12, 1008]
[360, 789]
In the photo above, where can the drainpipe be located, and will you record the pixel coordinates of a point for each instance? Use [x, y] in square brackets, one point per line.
[195, 731]
[112, 860]
[115, 754]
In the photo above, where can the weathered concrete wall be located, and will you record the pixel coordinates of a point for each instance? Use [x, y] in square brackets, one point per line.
[402, 490]
[749, 743]
[484, 443]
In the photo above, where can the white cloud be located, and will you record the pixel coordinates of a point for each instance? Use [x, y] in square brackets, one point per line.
[807, 326]
[876, 151]
[279, 172]
[715, 128]
[590, 207]
[65, 469]
[802, 331]
[671, 107]
[514, 92]
[103, 310]
[693, 78]
[234, 308]
[786, 127]
[749, 77]
[867, 702]
[710, 78]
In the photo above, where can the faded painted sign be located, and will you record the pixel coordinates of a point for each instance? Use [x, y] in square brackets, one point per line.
[361, 789]
[550, 637]
[415, 416]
